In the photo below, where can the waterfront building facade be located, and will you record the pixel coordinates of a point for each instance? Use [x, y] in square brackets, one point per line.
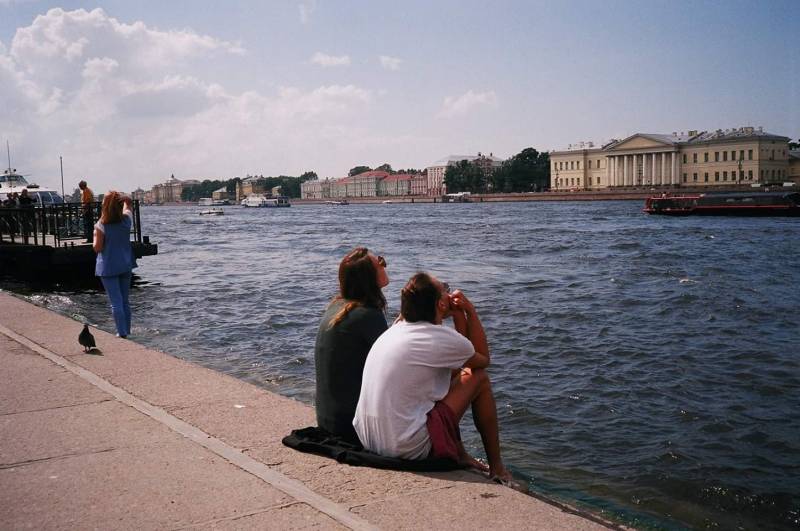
[170, 191]
[138, 195]
[794, 167]
[735, 156]
[362, 185]
[316, 189]
[396, 184]
[436, 171]
[220, 194]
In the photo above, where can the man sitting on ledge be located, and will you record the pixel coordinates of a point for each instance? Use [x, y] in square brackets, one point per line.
[420, 377]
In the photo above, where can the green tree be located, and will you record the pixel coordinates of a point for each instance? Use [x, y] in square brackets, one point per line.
[527, 171]
[308, 176]
[385, 167]
[464, 176]
[357, 170]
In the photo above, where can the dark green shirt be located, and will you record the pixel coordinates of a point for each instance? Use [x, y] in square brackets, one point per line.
[339, 356]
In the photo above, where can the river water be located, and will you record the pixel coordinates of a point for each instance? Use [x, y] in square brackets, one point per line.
[644, 366]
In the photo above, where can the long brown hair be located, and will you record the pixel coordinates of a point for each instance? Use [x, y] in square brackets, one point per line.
[358, 284]
[111, 211]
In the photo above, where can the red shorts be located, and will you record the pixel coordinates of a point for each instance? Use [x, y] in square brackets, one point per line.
[444, 433]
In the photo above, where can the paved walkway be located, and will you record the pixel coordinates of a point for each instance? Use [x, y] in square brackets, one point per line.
[133, 438]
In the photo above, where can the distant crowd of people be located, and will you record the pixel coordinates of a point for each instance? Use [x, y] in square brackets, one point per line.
[401, 390]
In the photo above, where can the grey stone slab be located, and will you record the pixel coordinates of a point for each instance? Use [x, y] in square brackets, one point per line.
[262, 419]
[295, 516]
[169, 486]
[74, 430]
[133, 359]
[184, 386]
[470, 505]
[31, 382]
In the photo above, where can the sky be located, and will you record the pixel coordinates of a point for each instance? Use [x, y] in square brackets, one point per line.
[129, 93]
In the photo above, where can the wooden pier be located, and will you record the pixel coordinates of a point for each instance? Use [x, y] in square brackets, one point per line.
[50, 241]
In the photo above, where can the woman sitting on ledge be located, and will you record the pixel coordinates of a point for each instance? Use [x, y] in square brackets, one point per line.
[352, 322]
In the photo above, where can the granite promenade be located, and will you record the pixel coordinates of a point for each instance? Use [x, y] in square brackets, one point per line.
[133, 438]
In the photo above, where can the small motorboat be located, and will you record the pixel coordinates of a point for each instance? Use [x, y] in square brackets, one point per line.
[212, 212]
[340, 202]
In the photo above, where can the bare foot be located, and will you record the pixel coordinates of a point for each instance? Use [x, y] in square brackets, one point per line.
[469, 461]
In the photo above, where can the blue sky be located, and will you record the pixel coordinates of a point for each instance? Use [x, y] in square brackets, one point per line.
[140, 90]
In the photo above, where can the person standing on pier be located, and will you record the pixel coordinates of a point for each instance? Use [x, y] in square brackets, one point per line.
[115, 260]
[420, 378]
[87, 198]
[352, 322]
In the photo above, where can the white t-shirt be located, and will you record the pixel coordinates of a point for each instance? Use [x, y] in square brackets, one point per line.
[407, 371]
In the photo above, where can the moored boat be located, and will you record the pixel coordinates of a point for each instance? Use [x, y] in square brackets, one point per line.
[726, 204]
[212, 212]
[262, 201]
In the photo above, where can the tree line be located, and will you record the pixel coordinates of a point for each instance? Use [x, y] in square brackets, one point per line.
[527, 171]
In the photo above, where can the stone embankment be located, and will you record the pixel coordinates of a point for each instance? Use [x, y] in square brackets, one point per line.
[132, 438]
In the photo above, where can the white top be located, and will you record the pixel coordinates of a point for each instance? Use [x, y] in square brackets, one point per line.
[407, 371]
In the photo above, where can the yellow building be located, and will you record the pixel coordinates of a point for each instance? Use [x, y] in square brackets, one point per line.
[719, 158]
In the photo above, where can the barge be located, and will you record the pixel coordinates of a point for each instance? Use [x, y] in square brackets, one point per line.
[725, 204]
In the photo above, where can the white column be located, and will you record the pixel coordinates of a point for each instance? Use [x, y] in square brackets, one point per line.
[625, 170]
[653, 175]
[614, 171]
[663, 175]
[675, 179]
[608, 175]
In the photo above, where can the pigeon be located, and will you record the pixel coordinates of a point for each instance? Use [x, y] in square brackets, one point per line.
[86, 339]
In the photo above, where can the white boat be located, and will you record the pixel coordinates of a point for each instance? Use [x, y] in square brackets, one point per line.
[207, 201]
[387, 202]
[262, 201]
[341, 202]
[12, 182]
[212, 212]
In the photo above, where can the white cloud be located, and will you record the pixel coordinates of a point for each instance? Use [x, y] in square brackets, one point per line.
[390, 63]
[330, 60]
[128, 105]
[306, 10]
[458, 106]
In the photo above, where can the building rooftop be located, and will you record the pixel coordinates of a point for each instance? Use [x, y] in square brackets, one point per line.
[453, 159]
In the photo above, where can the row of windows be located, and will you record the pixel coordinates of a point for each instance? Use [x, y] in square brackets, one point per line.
[576, 165]
[723, 155]
[764, 173]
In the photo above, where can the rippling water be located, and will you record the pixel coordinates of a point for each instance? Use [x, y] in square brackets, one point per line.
[644, 366]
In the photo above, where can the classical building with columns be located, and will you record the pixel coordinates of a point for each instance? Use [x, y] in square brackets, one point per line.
[723, 157]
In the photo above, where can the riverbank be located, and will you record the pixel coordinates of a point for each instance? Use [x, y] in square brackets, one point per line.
[130, 437]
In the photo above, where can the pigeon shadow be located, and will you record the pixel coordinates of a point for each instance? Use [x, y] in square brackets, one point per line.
[94, 351]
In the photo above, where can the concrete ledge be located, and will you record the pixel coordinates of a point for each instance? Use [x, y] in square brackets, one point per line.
[135, 438]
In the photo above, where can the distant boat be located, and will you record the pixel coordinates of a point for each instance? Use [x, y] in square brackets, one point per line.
[212, 212]
[726, 204]
[262, 201]
[341, 202]
[387, 201]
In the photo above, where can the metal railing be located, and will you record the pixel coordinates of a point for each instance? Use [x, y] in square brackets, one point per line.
[56, 225]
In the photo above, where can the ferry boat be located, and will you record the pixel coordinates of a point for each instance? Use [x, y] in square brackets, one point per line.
[262, 201]
[726, 204]
[12, 182]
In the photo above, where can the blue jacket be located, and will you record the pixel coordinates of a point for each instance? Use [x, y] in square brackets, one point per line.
[116, 257]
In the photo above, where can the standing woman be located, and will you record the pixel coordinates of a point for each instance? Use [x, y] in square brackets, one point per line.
[352, 322]
[115, 261]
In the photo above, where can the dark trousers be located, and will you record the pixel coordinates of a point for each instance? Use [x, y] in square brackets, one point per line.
[88, 225]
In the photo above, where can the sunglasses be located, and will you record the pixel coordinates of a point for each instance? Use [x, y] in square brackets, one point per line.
[381, 261]
[446, 287]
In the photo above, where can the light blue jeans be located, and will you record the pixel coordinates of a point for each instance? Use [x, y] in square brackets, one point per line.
[117, 289]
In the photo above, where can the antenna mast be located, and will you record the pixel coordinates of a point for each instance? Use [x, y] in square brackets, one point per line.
[8, 150]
